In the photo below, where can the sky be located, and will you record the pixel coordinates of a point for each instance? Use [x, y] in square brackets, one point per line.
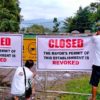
[48, 9]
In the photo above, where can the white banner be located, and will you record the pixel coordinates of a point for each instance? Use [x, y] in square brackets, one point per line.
[11, 50]
[64, 53]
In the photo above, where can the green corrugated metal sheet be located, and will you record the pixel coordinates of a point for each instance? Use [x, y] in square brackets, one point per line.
[29, 36]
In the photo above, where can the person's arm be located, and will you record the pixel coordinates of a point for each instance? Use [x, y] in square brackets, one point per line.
[97, 33]
[34, 74]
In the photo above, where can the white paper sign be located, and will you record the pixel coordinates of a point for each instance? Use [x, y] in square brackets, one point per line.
[11, 46]
[64, 53]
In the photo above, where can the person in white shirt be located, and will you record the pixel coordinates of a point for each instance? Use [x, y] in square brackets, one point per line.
[95, 76]
[18, 82]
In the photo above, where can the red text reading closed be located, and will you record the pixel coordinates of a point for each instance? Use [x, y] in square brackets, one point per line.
[65, 43]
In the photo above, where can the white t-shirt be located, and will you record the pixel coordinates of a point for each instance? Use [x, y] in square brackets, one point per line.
[18, 82]
[96, 59]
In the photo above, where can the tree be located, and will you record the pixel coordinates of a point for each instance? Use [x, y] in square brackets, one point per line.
[81, 21]
[36, 29]
[56, 25]
[95, 8]
[9, 16]
[68, 24]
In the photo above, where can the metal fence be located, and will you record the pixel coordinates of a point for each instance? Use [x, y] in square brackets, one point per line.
[5, 93]
[45, 83]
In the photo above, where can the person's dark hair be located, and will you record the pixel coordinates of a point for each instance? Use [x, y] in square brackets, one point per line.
[29, 63]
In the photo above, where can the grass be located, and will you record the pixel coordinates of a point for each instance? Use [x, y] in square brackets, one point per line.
[79, 84]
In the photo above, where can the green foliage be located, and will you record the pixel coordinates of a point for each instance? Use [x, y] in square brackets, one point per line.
[98, 14]
[56, 25]
[85, 18]
[9, 16]
[81, 21]
[80, 85]
[95, 9]
[47, 30]
[37, 29]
